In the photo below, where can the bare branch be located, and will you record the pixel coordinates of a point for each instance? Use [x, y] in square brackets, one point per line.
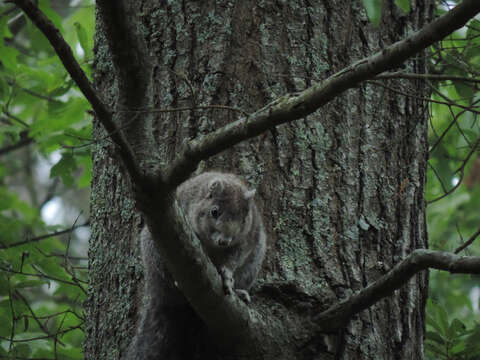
[43, 276]
[42, 237]
[338, 315]
[453, 122]
[14, 118]
[31, 92]
[468, 242]
[64, 331]
[295, 106]
[200, 107]
[434, 77]
[448, 102]
[19, 144]
[32, 312]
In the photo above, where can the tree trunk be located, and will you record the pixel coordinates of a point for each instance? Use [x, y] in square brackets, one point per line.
[341, 191]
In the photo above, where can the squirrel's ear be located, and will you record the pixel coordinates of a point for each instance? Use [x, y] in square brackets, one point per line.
[249, 194]
[215, 188]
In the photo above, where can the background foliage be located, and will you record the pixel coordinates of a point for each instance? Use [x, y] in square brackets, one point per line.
[45, 168]
[44, 179]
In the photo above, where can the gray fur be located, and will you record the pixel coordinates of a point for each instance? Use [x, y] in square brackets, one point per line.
[222, 212]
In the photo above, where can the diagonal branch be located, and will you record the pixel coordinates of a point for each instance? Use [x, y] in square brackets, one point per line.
[338, 315]
[26, 140]
[42, 237]
[468, 242]
[434, 77]
[68, 60]
[295, 106]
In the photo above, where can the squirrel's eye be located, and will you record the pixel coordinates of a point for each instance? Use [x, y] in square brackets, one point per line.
[214, 212]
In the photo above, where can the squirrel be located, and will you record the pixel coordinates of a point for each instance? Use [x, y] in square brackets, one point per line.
[222, 213]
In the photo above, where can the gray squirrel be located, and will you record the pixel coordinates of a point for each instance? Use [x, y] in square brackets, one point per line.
[223, 214]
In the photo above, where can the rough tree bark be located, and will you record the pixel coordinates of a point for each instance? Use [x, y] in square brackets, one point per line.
[341, 190]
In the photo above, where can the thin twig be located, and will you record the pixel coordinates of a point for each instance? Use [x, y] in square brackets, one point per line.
[42, 237]
[468, 242]
[200, 107]
[403, 75]
[19, 144]
[34, 316]
[44, 337]
[43, 276]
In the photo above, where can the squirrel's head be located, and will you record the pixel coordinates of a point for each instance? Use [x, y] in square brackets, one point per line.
[225, 213]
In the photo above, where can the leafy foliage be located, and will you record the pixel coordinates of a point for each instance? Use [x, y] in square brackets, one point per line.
[453, 192]
[43, 120]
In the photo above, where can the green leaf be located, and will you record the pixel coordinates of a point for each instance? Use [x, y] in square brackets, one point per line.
[9, 57]
[62, 89]
[21, 351]
[86, 178]
[458, 348]
[4, 88]
[6, 327]
[404, 5]
[442, 318]
[456, 328]
[83, 39]
[436, 337]
[434, 348]
[44, 5]
[473, 341]
[30, 283]
[9, 54]
[4, 285]
[65, 168]
[71, 353]
[374, 10]
[60, 116]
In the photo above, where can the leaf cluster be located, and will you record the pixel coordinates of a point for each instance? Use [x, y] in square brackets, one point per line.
[447, 339]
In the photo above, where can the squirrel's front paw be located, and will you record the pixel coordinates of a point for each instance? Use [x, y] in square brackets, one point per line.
[227, 280]
[244, 295]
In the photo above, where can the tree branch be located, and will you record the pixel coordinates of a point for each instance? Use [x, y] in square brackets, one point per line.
[68, 60]
[42, 237]
[19, 144]
[403, 75]
[468, 242]
[338, 315]
[295, 106]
